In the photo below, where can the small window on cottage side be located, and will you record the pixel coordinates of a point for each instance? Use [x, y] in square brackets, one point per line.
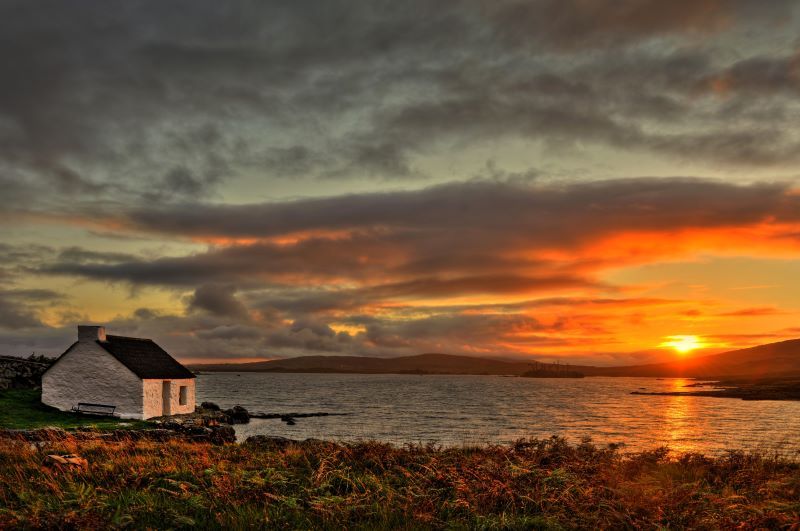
[183, 394]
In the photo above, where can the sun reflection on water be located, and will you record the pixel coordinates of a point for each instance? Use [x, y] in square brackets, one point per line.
[680, 422]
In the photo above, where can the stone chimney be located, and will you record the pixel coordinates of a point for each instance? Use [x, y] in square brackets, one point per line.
[91, 333]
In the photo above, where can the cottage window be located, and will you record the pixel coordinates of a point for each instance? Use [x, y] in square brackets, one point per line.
[183, 395]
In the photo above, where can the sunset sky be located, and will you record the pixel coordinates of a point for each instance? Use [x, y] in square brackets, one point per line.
[552, 179]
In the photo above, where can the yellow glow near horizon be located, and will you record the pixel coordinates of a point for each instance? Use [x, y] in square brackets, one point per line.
[683, 344]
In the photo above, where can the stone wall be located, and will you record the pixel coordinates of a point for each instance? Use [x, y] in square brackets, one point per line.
[19, 373]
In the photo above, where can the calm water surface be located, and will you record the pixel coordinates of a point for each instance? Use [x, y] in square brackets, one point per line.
[457, 410]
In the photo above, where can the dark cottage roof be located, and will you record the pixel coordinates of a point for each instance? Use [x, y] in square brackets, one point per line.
[144, 358]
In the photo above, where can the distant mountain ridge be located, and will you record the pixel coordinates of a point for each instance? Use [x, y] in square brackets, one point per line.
[763, 361]
[770, 360]
[429, 363]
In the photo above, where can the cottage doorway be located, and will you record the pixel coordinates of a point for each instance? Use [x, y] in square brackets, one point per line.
[166, 402]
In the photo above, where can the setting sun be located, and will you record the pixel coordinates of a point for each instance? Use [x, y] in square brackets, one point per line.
[683, 344]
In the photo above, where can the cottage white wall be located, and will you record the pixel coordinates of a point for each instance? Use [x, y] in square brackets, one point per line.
[88, 373]
[152, 399]
[178, 409]
[153, 405]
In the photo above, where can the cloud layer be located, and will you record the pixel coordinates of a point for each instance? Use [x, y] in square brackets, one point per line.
[398, 273]
[249, 179]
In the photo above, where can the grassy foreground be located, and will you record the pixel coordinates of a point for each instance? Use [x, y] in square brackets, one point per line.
[23, 409]
[535, 484]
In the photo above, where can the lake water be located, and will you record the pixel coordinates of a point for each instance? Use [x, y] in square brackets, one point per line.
[458, 410]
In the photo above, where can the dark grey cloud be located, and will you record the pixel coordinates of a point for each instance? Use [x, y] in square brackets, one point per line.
[574, 24]
[470, 333]
[547, 212]
[135, 119]
[31, 295]
[18, 307]
[473, 237]
[759, 77]
[18, 258]
[218, 300]
[233, 332]
[137, 103]
[24, 253]
[388, 250]
[447, 329]
[316, 327]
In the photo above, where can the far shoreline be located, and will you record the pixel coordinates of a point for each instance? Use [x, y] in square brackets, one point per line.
[781, 389]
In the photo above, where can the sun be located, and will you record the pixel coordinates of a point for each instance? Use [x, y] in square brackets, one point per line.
[683, 344]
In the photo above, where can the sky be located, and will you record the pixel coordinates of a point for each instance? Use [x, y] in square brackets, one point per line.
[559, 180]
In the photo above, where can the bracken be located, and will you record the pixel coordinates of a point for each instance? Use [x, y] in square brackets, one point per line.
[533, 484]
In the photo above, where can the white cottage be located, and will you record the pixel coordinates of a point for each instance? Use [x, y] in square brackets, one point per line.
[136, 375]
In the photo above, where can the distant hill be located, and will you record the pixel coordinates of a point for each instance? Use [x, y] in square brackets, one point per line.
[780, 359]
[772, 360]
[423, 363]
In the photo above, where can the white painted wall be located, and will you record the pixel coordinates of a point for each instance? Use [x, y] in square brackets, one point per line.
[153, 404]
[88, 373]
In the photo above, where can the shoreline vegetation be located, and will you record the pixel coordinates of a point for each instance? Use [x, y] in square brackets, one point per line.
[269, 482]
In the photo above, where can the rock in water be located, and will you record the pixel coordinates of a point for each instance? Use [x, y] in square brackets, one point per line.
[211, 406]
[238, 415]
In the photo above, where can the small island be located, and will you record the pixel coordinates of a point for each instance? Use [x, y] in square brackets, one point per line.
[551, 370]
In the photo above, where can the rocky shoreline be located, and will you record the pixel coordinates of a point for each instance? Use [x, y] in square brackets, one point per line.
[206, 424]
[209, 423]
[774, 389]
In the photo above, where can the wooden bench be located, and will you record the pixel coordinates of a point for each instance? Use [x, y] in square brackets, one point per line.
[94, 409]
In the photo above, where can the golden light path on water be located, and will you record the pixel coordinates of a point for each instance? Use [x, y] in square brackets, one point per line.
[681, 421]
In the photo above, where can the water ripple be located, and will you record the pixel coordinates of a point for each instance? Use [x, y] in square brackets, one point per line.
[457, 410]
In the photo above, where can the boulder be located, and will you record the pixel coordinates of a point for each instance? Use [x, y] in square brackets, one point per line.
[238, 415]
[69, 461]
[211, 406]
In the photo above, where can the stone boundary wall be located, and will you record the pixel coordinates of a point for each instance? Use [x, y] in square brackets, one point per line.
[19, 373]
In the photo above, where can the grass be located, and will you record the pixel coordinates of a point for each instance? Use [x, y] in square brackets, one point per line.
[23, 409]
[537, 484]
